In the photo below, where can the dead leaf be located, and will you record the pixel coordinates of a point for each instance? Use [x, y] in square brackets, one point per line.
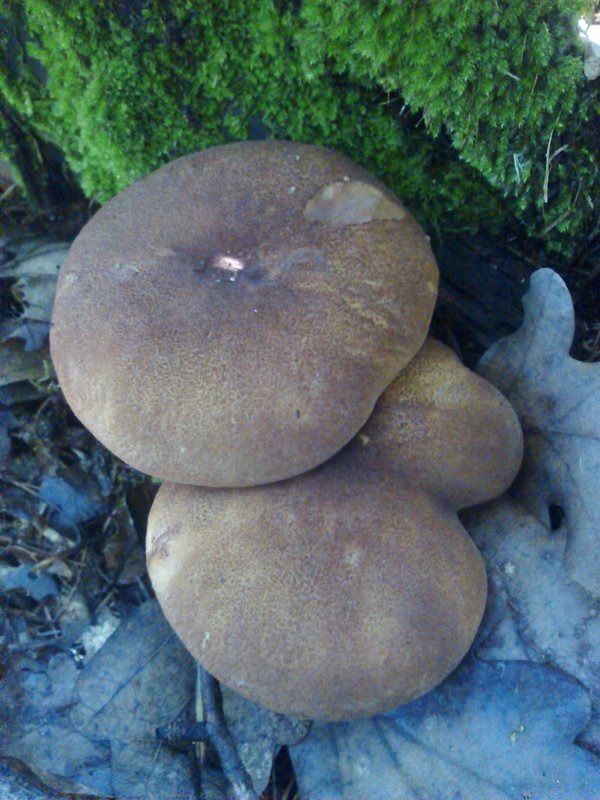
[34, 258]
[95, 636]
[558, 402]
[499, 731]
[21, 392]
[35, 701]
[122, 551]
[539, 608]
[19, 782]
[141, 679]
[73, 497]
[35, 270]
[258, 734]
[37, 585]
[7, 423]
[18, 365]
[536, 612]
[506, 729]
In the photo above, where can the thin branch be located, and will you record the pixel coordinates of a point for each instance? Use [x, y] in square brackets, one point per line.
[213, 729]
[241, 783]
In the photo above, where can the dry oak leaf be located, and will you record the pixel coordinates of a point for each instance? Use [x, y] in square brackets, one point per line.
[544, 603]
[535, 611]
[499, 731]
[141, 679]
[558, 402]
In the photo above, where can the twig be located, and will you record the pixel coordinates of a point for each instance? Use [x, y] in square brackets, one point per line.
[214, 730]
[549, 160]
[25, 487]
[180, 733]
[563, 216]
[241, 783]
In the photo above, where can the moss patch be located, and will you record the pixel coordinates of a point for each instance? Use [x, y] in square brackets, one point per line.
[477, 113]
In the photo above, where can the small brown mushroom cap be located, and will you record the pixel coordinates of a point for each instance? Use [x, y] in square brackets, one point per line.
[231, 319]
[446, 428]
[353, 588]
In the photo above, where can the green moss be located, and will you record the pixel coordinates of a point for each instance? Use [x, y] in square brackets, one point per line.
[128, 86]
[504, 80]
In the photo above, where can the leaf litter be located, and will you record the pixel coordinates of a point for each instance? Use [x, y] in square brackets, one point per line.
[558, 402]
[71, 555]
[499, 731]
[501, 726]
[508, 726]
[32, 274]
[141, 679]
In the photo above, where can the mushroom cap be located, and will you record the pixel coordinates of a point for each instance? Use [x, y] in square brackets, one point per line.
[334, 595]
[446, 428]
[353, 588]
[231, 319]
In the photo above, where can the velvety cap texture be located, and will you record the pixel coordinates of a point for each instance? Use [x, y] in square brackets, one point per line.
[445, 428]
[231, 319]
[351, 589]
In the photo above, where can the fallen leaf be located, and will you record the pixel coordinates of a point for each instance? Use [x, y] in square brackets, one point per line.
[35, 258]
[21, 392]
[37, 585]
[35, 270]
[122, 552]
[35, 701]
[17, 365]
[7, 423]
[76, 621]
[536, 612]
[95, 636]
[37, 296]
[499, 731]
[258, 734]
[141, 679]
[73, 496]
[19, 782]
[543, 603]
[558, 402]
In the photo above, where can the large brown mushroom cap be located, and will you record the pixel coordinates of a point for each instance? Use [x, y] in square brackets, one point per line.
[353, 588]
[334, 595]
[232, 318]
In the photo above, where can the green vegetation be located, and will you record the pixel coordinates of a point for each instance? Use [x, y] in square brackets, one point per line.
[477, 112]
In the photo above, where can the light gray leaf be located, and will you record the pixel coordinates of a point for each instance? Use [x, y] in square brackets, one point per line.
[38, 257]
[499, 731]
[74, 496]
[258, 733]
[36, 271]
[19, 782]
[37, 585]
[558, 402]
[535, 610]
[35, 701]
[539, 606]
[18, 365]
[32, 331]
[140, 680]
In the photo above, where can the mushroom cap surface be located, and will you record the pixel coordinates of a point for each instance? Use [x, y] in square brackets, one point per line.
[447, 428]
[351, 589]
[231, 319]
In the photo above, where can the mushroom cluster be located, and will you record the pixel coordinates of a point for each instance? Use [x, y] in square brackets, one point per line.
[249, 323]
